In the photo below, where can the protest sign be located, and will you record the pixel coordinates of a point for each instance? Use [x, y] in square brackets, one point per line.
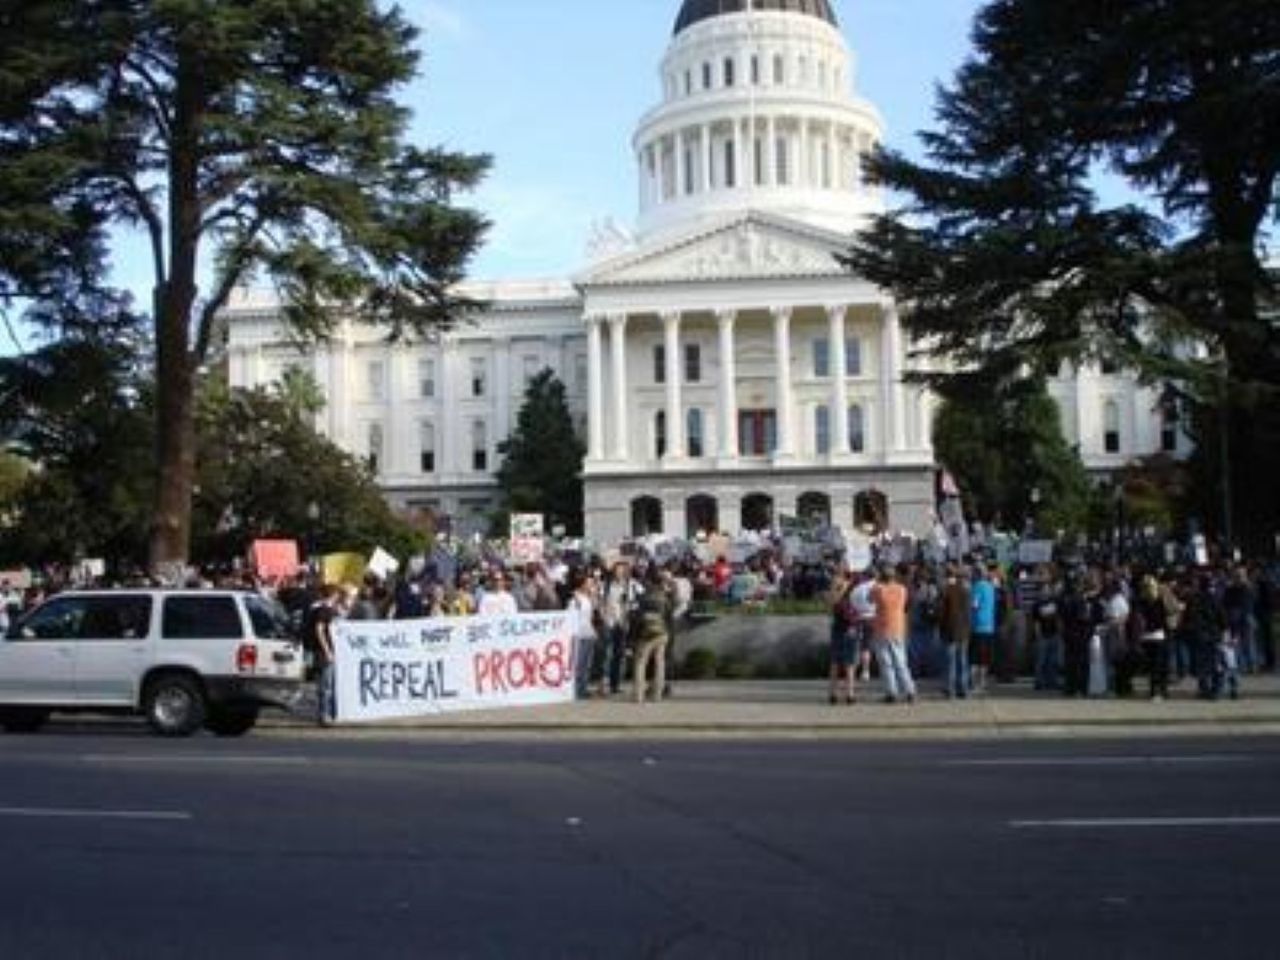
[343, 568]
[410, 668]
[526, 538]
[275, 558]
[858, 555]
[1035, 552]
[382, 564]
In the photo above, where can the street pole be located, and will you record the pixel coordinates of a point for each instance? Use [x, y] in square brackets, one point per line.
[1224, 454]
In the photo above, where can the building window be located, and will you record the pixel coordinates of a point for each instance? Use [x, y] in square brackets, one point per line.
[688, 82]
[853, 357]
[781, 157]
[660, 434]
[1169, 432]
[426, 379]
[580, 372]
[755, 70]
[376, 374]
[374, 459]
[660, 364]
[757, 432]
[479, 376]
[730, 164]
[1111, 427]
[822, 430]
[692, 363]
[857, 431]
[1109, 367]
[728, 71]
[826, 166]
[688, 171]
[427, 448]
[779, 69]
[706, 76]
[822, 357]
[479, 446]
[758, 155]
[694, 431]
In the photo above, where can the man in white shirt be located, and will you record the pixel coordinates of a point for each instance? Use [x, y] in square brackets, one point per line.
[498, 601]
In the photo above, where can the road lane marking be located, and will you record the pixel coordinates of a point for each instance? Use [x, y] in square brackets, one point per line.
[1097, 761]
[1119, 823]
[56, 813]
[208, 759]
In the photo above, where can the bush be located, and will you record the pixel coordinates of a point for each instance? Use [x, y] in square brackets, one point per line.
[699, 664]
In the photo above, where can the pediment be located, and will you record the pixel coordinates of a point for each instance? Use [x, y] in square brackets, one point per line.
[748, 248]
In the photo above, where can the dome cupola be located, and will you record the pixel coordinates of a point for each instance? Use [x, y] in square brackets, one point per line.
[757, 113]
[695, 11]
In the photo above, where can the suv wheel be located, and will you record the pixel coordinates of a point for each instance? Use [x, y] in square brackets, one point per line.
[23, 719]
[174, 705]
[231, 721]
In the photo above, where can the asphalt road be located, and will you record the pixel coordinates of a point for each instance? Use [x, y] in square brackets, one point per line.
[123, 846]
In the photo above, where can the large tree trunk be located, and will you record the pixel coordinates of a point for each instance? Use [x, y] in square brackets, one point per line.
[175, 303]
[175, 441]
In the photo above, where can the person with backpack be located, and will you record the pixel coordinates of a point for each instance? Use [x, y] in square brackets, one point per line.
[652, 614]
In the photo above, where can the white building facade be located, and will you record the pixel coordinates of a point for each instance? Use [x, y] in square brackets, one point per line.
[725, 370]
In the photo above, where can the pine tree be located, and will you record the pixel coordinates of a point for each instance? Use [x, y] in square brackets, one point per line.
[260, 134]
[541, 469]
[1007, 261]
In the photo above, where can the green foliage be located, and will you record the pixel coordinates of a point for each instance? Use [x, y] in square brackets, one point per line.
[80, 412]
[1009, 263]
[260, 135]
[1002, 445]
[541, 470]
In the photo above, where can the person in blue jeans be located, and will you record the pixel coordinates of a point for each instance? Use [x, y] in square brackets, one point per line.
[955, 615]
[1047, 617]
[983, 626]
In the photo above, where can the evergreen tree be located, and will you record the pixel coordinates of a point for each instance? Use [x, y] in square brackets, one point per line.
[1001, 446]
[1009, 264]
[541, 469]
[260, 134]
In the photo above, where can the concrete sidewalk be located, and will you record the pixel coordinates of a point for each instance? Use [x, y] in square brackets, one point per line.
[799, 709]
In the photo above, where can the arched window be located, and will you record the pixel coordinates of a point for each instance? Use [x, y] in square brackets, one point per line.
[1111, 427]
[375, 447]
[857, 430]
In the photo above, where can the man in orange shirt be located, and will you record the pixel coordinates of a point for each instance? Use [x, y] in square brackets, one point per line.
[890, 599]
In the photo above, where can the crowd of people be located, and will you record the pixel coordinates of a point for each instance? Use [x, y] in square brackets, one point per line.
[1080, 630]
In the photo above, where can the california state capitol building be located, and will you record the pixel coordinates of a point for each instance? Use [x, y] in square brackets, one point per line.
[722, 367]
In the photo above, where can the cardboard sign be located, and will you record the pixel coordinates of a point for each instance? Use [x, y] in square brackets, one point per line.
[382, 564]
[1032, 553]
[343, 568]
[275, 558]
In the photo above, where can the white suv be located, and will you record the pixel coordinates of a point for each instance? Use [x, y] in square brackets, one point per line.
[184, 659]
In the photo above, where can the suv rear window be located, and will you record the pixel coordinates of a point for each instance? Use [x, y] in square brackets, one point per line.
[270, 622]
[201, 618]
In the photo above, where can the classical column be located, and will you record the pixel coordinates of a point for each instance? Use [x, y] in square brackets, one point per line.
[770, 152]
[395, 397]
[503, 387]
[340, 348]
[804, 167]
[706, 158]
[449, 422]
[739, 157]
[897, 399]
[675, 412]
[728, 407]
[617, 346]
[642, 181]
[782, 351]
[839, 384]
[682, 163]
[595, 391]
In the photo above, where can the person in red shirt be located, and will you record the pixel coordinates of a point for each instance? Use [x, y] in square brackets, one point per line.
[890, 599]
[721, 574]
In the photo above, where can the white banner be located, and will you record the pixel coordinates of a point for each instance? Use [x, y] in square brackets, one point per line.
[409, 668]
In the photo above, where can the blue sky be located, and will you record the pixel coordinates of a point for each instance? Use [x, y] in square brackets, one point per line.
[553, 90]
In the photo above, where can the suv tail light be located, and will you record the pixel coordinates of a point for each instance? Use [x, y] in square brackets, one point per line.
[246, 658]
